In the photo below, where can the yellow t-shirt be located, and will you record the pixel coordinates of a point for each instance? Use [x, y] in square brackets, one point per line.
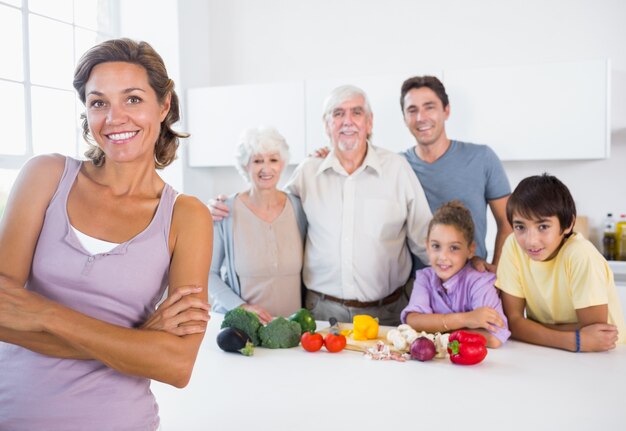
[578, 277]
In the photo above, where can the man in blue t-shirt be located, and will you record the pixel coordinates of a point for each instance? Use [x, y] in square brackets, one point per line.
[449, 169]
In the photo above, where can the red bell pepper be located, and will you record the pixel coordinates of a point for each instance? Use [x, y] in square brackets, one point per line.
[467, 348]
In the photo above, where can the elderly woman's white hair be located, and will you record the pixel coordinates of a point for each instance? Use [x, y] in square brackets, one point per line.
[340, 95]
[259, 140]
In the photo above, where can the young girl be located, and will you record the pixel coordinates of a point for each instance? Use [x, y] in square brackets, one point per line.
[557, 289]
[450, 294]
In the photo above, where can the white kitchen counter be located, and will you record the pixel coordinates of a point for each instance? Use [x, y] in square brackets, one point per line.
[517, 387]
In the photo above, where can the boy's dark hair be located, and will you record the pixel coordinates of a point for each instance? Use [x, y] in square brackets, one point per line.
[455, 214]
[427, 81]
[542, 196]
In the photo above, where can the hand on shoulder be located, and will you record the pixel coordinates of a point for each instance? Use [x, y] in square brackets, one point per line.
[217, 207]
[481, 265]
[321, 152]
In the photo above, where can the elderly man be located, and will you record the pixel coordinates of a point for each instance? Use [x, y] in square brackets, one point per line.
[365, 209]
[449, 169]
[366, 212]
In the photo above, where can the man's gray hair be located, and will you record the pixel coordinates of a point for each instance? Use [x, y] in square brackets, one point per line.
[259, 140]
[340, 95]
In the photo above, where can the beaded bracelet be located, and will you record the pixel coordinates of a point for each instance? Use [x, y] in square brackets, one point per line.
[577, 341]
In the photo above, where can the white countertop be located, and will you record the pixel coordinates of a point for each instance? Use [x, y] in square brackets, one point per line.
[517, 387]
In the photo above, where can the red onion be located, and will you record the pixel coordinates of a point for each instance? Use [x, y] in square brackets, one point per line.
[423, 349]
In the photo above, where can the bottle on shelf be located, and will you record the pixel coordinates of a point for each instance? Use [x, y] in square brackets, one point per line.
[620, 238]
[608, 241]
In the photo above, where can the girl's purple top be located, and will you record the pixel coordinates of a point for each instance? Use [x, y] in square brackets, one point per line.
[122, 287]
[465, 291]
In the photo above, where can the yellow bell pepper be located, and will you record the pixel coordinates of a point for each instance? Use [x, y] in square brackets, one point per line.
[365, 327]
[345, 332]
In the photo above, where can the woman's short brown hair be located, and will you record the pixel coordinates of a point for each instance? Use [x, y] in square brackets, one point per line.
[142, 54]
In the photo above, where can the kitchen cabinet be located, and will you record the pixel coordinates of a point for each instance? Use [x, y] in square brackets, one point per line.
[553, 111]
[517, 387]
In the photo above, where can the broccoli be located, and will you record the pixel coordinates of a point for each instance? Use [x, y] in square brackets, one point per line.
[280, 333]
[244, 320]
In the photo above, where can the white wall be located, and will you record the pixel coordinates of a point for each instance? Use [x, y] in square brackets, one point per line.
[254, 41]
[157, 24]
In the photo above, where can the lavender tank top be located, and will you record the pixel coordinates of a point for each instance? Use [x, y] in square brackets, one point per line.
[122, 287]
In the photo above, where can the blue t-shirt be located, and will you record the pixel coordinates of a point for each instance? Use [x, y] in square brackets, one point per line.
[470, 173]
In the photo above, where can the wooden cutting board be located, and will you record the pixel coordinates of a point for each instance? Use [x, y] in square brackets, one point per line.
[361, 345]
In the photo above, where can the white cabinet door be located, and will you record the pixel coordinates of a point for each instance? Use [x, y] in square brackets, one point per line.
[555, 111]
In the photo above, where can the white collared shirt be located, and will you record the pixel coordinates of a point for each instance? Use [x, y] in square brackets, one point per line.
[361, 225]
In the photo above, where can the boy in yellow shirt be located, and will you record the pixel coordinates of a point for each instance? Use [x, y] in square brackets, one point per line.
[557, 289]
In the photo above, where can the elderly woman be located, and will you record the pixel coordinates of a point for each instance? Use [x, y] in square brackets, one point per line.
[261, 245]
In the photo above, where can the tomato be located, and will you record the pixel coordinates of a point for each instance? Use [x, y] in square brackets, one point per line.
[334, 342]
[312, 341]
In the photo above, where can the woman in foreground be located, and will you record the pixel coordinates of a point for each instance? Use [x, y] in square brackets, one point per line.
[88, 248]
